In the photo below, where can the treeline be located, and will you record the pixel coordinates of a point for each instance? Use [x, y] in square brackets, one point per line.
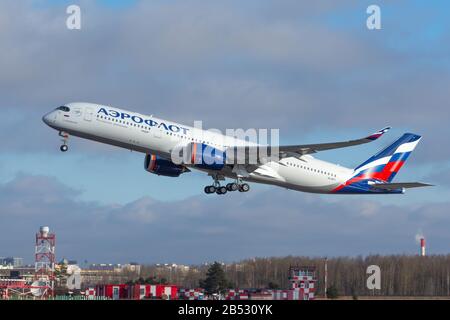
[401, 275]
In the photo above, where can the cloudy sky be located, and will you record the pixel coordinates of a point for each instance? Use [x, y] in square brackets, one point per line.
[310, 68]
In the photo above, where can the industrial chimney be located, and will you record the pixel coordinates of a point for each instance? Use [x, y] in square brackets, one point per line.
[422, 247]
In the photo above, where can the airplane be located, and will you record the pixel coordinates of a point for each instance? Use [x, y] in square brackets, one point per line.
[294, 167]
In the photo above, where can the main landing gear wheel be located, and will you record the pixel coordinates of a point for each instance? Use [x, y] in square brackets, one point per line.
[64, 148]
[244, 187]
[221, 190]
[216, 187]
[210, 189]
[232, 187]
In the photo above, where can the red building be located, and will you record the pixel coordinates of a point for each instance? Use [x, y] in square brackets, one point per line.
[137, 291]
[113, 291]
[153, 291]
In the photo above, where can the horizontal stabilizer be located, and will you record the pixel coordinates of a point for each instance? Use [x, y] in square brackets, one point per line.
[399, 185]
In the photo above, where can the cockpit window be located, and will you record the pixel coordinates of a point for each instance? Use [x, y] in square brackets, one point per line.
[63, 108]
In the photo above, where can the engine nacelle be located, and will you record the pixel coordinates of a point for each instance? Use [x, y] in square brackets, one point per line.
[204, 156]
[163, 167]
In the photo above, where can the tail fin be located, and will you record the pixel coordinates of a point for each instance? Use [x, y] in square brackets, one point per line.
[386, 163]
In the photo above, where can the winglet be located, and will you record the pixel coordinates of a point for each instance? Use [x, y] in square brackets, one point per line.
[376, 135]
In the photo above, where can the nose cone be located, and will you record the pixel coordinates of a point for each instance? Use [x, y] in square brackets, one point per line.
[46, 118]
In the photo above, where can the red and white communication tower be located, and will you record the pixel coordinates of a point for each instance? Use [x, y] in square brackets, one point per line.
[44, 266]
[422, 246]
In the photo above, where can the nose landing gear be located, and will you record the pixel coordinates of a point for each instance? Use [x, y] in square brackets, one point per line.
[65, 136]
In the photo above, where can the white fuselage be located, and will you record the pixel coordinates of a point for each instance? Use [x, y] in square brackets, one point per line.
[151, 135]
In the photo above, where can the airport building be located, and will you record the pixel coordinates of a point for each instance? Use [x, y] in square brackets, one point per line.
[11, 262]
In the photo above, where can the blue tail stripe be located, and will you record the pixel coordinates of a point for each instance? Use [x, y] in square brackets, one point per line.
[389, 150]
[402, 156]
[373, 169]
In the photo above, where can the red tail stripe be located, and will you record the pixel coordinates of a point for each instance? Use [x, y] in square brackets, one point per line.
[394, 166]
[384, 175]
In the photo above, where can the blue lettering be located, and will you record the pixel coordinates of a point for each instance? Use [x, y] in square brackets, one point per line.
[103, 110]
[151, 123]
[137, 119]
[163, 125]
[125, 115]
[174, 128]
[114, 113]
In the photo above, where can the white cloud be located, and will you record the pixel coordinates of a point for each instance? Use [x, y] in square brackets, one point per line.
[269, 223]
[281, 66]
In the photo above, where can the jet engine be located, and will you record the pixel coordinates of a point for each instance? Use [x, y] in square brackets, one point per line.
[204, 156]
[163, 167]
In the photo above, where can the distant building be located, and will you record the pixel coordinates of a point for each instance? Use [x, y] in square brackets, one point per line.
[24, 272]
[103, 266]
[101, 273]
[173, 267]
[303, 282]
[14, 262]
[132, 267]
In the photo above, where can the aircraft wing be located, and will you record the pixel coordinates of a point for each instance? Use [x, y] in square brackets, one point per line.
[313, 148]
[251, 152]
[399, 185]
